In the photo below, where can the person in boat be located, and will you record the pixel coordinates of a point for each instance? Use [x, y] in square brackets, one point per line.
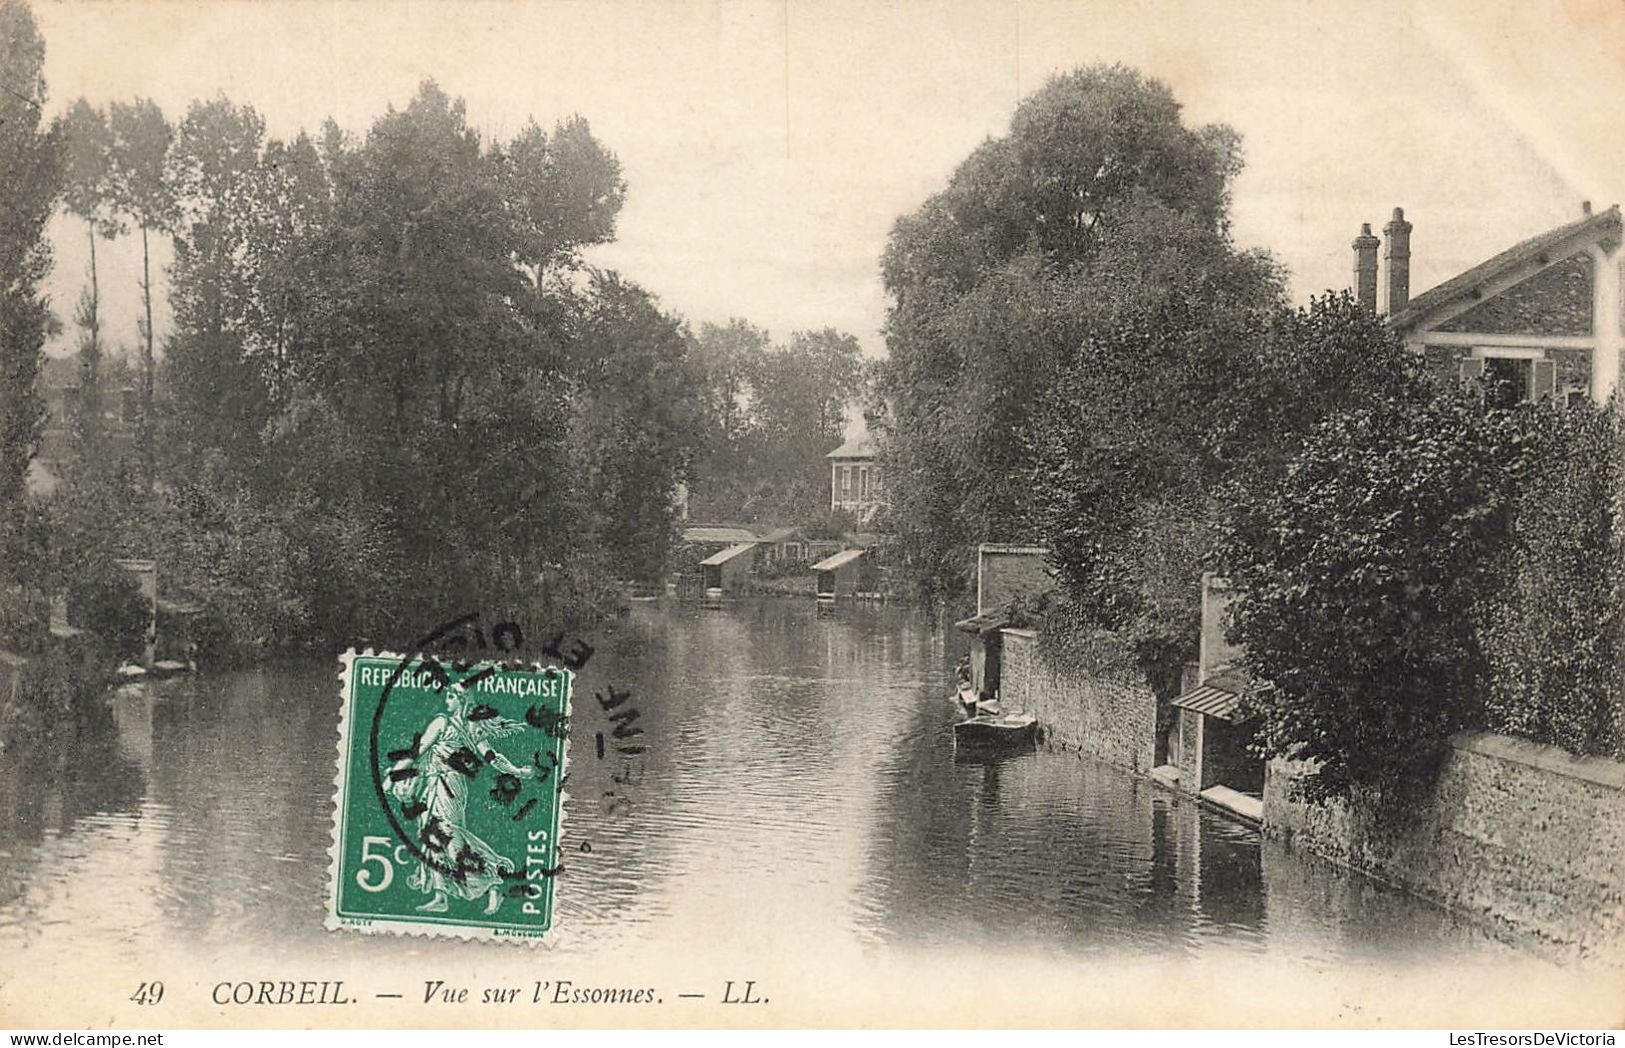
[963, 687]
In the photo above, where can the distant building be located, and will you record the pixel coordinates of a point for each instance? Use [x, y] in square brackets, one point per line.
[59, 387]
[1542, 319]
[726, 570]
[718, 535]
[844, 576]
[784, 546]
[854, 479]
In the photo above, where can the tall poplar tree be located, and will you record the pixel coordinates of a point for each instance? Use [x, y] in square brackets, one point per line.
[88, 195]
[141, 140]
[30, 171]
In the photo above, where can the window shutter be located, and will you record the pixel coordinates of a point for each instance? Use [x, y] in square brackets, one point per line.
[1545, 380]
[1472, 369]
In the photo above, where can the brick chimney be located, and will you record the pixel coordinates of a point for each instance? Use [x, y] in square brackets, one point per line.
[1398, 258]
[1365, 267]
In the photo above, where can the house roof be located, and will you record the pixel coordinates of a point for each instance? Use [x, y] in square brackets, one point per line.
[779, 535]
[858, 447]
[724, 556]
[1603, 224]
[841, 559]
[711, 533]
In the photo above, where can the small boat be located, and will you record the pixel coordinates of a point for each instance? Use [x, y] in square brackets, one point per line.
[997, 731]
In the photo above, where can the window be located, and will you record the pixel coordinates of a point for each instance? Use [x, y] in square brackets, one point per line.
[863, 484]
[846, 482]
[1511, 376]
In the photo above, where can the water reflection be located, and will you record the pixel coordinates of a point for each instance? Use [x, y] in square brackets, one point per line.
[799, 789]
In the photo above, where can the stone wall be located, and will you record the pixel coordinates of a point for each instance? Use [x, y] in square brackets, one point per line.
[1523, 835]
[1112, 716]
[1005, 572]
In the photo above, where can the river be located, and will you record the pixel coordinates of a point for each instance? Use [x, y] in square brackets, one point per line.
[799, 792]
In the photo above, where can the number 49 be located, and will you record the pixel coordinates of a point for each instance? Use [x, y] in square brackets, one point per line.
[148, 993]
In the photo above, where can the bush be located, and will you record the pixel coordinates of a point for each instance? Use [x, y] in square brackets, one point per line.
[1554, 633]
[106, 599]
[1359, 574]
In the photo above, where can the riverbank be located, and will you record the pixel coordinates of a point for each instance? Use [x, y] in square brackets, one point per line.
[1518, 837]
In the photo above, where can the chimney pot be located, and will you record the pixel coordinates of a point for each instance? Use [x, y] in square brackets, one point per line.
[1365, 267]
[1398, 256]
[1585, 207]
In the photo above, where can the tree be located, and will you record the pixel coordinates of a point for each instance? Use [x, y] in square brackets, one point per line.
[726, 359]
[88, 194]
[997, 279]
[799, 397]
[635, 427]
[30, 169]
[221, 397]
[141, 140]
[432, 319]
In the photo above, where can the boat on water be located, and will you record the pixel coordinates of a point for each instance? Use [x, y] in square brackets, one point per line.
[997, 731]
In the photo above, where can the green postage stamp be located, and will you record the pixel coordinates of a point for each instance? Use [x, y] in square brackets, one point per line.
[449, 798]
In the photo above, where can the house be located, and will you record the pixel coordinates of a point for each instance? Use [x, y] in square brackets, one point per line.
[854, 479]
[60, 389]
[726, 570]
[1208, 734]
[717, 535]
[844, 576]
[784, 547]
[1541, 319]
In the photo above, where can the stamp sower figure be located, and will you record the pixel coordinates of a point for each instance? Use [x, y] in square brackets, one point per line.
[447, 760]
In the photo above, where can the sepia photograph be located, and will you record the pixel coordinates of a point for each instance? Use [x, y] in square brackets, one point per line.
[785, 514]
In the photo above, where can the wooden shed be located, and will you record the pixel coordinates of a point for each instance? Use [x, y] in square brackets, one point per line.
[726, 569]
[841, 576]
[986, 648]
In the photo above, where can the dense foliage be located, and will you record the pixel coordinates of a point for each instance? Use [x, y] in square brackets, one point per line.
[393, 388]
[772, 412]
[1359, 575]
[1554, 633]
[997, 280]
[30, 171]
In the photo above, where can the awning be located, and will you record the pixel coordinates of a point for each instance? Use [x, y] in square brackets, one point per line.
[840, 559]
[986, 622]
[1212, 700]
[728, 554]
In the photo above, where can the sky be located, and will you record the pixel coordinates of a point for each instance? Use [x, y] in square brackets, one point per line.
[769, 145]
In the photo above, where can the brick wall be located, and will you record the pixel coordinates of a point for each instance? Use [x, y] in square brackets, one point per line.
[1522, 835]
[1001, 575]
[1112, 717]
